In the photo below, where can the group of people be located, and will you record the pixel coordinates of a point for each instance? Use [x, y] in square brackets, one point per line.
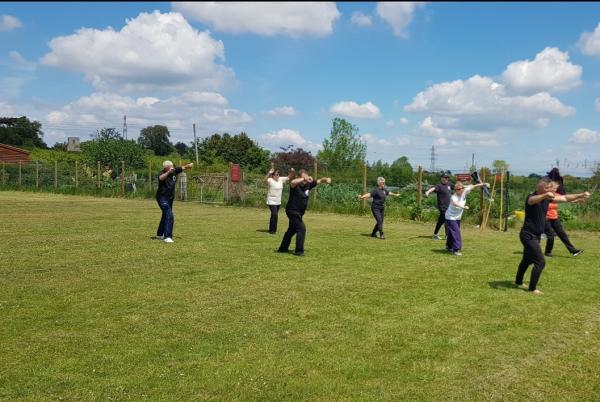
[541, 213]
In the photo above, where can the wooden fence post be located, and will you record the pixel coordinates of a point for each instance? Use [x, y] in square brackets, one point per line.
[37, 174]
[150, 176]
[420, 188]
[363, 203]
[19, 173]
[315, 166]
[98, 176]
[501, 214]
[55, 174]
[481, 206]
[122, 178]
[76, 175]
[3, 173]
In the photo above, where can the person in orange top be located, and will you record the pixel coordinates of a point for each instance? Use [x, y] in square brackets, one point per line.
[554, 228]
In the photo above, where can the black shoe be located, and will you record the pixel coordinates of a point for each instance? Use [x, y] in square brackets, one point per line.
[374, 234]
[382, 237]
[299, 253]
[282, 251]
[576, 253]
[548, 254]
[272, 232]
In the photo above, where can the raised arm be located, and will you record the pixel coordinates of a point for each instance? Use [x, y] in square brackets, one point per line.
[536, 199]
[163, 176]
[428, 192]
[297, 181]
[188, 166]
[269, 174]
[326, 180]
[291, 174]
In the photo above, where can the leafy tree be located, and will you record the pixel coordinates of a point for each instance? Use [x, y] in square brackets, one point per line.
[500, 166]
[343, 148]
[113, 151]
[21, 132]
[107, 134]
[292, 158]
[401, 172]
[60, 146]
[156, 138]
[534, 176]
[237, 149]
[182, 149]
[595, 179]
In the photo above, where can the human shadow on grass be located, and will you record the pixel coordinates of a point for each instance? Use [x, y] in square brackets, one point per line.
[263, 230]
[441, 251]
[503, 285]
[366, 234]
[423, 237]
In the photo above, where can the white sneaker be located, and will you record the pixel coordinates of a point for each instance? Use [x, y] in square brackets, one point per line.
[457, 253]
[436, 237]
[161, 237]
[169, 240]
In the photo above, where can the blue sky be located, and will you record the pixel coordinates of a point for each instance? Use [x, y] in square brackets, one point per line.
[512, 81]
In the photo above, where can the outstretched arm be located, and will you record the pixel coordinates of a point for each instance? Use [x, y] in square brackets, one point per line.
[291, 174]
[395, 194]
[364, 196]
[428, 192]
[326, 180]
[581, 197]
[188, 166]
[536, 199]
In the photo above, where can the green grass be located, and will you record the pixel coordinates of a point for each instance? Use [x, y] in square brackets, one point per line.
[91, 308]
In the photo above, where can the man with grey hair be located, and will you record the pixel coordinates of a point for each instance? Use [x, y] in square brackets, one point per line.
[378, 195]
[165, 196]
[536, 207]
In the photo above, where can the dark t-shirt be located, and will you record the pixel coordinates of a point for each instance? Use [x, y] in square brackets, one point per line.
[378, 196]
[298, 200]
[535, 216]
[166, 187]
[443, 192]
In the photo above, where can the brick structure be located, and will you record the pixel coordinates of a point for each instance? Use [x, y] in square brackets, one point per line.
[10, 154]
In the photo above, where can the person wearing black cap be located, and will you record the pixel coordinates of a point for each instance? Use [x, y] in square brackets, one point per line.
[536, 208]
[443, 190]
[553, 225]
[295, 208]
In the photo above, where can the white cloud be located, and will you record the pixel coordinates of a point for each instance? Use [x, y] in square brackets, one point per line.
[597, 103]
[371, 139]
[589, 42]
[286, 137]
[353, 109]
[550, 71]
[360, 19]
[403, 141]
[8, 23]
[390, 124]
[403, 120]
[441, 141]
[585, 136]
[151, 52]
[100, 110]
[398, 15]
[6, 109]
[282, 111]
[428, 127]
[481, 104]
[21, 62]
[264, 18]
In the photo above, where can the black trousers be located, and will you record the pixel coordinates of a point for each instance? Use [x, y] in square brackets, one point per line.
[532, 254]
[378, 214]
[297, 228]
[554, 228]
[440, 222]
[273, 221]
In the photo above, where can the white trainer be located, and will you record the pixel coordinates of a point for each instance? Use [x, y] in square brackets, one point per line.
[161, 237]
[169, 240]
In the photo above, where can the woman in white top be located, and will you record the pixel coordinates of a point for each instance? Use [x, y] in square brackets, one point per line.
[458, 203]
[275, 185]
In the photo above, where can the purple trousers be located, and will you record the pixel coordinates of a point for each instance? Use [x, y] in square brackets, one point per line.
[453, 238]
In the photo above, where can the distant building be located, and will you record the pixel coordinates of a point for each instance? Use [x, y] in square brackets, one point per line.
[73, 144]
[10, 154]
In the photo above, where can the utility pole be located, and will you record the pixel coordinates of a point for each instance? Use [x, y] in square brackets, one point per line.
[125, 126]
[432, 166]
[195, 144]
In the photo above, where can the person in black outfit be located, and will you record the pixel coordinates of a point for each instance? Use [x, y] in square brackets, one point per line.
[295, 208]
[443, 190]
[165, 196]
[378, 195]
[553, 225]
[536, 207]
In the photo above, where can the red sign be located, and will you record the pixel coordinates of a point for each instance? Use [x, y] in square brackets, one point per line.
[236, 173]
[463, 176]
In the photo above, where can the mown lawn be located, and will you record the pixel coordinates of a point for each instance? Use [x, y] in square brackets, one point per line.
[92, 308]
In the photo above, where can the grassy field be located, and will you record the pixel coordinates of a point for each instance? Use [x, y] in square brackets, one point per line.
[92, 308]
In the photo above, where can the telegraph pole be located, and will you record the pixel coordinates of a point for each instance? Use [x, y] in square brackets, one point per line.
[195, 144]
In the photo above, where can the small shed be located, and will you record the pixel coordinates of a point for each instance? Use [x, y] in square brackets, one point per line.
[10, 154]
